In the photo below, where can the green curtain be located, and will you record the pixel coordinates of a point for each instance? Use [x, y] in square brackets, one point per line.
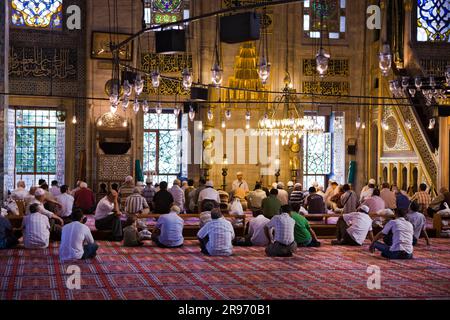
[138, 169]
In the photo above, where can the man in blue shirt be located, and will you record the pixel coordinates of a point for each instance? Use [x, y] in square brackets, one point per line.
[168, 232]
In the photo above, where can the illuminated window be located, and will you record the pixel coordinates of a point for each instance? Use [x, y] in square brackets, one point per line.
[327, 16]
[316, 155]
[162, 146]
[43, 14]
[433, 20]
[38, 139]
[158, 12]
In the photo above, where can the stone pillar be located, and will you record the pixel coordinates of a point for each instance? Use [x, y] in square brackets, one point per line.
[4, 50]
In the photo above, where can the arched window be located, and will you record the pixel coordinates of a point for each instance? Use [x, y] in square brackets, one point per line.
[433, 20]
[41, 14]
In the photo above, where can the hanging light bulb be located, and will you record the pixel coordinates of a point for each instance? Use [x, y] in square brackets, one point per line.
[418, 83]
[114, 98]
[216, 75]
[113, 108]
[145, 106]
[432, 82]
[385, 60]
[210, 114]
[405, 83]
[200, 125]
[176, 111]
[264, 70]
[136, 105]
[363, 125]
[408, 124]
[277, 141]
[412, 92]
[191, 113]
[127, 88]
[384, 125]
[187, 78]
[431, 124]
[224, 124]
[228, 114]
[125, 123]
[248, 115]
[247, 124]
[100, 122]
[158, 108]
[74, 119]
[156, 78]
[138, 85]
[358, 122]
[125, 103]
[322, 62]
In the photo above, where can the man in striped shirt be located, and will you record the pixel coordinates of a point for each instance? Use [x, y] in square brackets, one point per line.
[36, 229]
[136, 203]
[297, 197]
[283, 225]
[217, 235]
[422, 198]
[177, 194]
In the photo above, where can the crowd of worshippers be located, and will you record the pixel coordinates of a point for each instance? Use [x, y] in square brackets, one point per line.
[279, 220]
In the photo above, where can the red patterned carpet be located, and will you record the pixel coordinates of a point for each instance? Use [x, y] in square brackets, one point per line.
[153, 273]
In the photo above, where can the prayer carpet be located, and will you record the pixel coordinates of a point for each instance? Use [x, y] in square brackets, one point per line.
[149, 272]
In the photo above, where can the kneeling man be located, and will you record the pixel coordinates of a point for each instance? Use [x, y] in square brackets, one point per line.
[283, 242]
[352, 228]
[217, 235]
[168, 232]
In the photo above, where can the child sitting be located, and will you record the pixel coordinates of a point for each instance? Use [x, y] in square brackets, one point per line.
[131, 236]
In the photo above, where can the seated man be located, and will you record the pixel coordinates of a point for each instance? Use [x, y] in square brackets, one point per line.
[131, 237]
[256, 197]
[66, 200]
[84, 199]
[205, 215]
[136, 203]
[297, 197]
[375, 202]
[7, 238]
[36, 229]
[76, 240]
[314, 202]
[163, 199]
[168, 232]
[353, 228]
[208, 194]
[303, 234]
[402, 238]
[107, 215]
[271, 205]
[418, 221]
[256, 230]
[20, 193]
[217, 235]
[283, 244]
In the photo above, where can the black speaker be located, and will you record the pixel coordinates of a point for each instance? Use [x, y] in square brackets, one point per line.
[444, 111]
[199, 93]
[170, 41]
[351, 146]
[240, 27]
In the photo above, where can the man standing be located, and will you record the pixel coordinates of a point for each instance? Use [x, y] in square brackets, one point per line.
[388, 196]
[177, 194]
[76, 240]
[136, 203]
[168, 232]
[107, 215]
[36, 228]
[283, 244]
[402, 238]
[423, 198]
[163, 199]
[271, 205]
[239, 183]
[66, 201]
[217, 235]
[353, 228]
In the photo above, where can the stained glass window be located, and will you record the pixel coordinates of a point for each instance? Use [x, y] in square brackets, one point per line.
[162, 146]
[38, 139]
[316, 155]
[433, 20]
[37, 13]
[158, 12]
[326, 16]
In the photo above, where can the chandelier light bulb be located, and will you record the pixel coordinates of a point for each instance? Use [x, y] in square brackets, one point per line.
[138, 85]
[322, 62]
[156, 79]
[145, 106]
[210, 114]
[113, 108]
[412, 92]
[158, 108]
[125, 123]
[186, 78]
[125, 103]
[358, 123]
[200, 125]
[247, 124]
[385, 60]
[418, 83]
[363, 125]
[405, 83]
[384, 125]
[431, 124]
[408, 124]
[277, 141]
[176, 111]
[127, 88]
[264, 70]
[136, 105]
[216, 75]
[99, 122]
[248, 115]
[228, 114]
[74, 119]
[114, 98]
[223, 125]
[432, 82]
[191, 113]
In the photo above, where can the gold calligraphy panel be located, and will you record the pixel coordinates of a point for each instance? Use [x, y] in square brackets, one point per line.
[35, 62]
[167, 63]
[326, 87]
[167, 87]
[336, 67]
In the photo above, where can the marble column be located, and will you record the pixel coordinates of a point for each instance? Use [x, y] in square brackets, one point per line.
[4, 49]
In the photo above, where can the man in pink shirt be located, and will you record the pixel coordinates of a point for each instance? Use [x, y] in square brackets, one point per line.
[389, 197]
[375, 202]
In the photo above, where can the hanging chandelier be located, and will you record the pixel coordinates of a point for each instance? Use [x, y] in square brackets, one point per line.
[385, 60]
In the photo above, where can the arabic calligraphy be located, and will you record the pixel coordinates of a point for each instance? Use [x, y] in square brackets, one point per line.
[34, 62]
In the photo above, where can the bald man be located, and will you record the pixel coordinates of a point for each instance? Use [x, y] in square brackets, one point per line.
[240, 183]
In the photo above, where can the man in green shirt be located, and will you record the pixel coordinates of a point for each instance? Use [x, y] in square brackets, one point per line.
[303, 234]
[271, 205]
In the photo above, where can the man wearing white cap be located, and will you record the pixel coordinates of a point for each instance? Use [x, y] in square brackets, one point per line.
[208, 194]
[240, 183]
[283, 195]
[367, 191]
[290, 187]
[39, 198]
[353, 228]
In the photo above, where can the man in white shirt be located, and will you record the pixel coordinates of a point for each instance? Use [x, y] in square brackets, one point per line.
[256, 197]
[177, 194]
[283, 244]
[418, 221]
[367, 191]
[107, 215]
[76, 240]
[256, 230]
[168, 232]
[40, 199]
[216, 236]
[20, 193]
[283, 195]
[208, 194]
[402, 238]
[66, 201]
[353, 228]
[239, 183]
[36, 229]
